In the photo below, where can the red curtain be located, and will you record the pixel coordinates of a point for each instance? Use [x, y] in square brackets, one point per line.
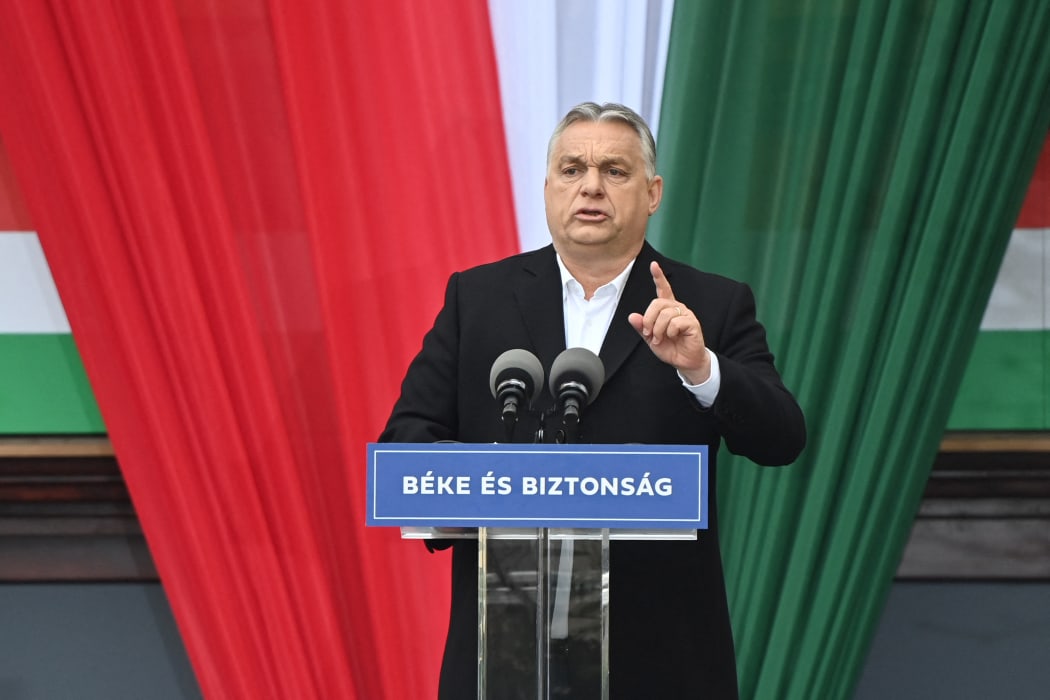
[250, 211]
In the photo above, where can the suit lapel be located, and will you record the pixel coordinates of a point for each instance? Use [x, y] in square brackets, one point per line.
[637, 293]
[539, 297]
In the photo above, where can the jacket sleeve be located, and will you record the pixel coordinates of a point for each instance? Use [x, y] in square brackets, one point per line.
[426, 410]
[757, 415]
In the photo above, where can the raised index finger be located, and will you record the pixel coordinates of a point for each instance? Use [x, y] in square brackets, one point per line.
[663, 287]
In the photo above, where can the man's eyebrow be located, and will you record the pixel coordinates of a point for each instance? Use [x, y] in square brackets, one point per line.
[569, 158]
[614, 160]
[573, 159]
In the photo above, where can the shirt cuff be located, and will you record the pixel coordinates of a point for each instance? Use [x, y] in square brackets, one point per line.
[706, 392]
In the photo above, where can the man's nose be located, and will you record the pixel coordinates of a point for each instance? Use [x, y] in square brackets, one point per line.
[592, 182]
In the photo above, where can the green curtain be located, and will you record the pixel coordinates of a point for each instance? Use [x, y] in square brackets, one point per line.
[861, 165]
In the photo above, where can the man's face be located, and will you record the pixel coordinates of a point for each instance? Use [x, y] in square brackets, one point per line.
[597, 194]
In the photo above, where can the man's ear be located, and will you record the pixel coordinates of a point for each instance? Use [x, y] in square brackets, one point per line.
[656, 193]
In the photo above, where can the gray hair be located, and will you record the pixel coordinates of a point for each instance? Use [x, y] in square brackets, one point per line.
[610, 111]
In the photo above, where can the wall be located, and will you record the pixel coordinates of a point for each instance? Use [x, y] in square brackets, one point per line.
[104, 641]
[964, 641]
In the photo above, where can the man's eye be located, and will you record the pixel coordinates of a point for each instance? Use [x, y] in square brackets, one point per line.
[616, 172]
[570, 171]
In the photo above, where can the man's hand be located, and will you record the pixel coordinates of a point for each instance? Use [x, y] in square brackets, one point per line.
[673, 332]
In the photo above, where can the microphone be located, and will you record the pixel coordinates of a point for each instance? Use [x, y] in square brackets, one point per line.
[513, 380]
[576, 377]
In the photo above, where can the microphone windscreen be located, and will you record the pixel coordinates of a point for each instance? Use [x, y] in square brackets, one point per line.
[516, 364]
[578, 365]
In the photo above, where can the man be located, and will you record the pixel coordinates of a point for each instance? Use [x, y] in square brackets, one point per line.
[686, 362]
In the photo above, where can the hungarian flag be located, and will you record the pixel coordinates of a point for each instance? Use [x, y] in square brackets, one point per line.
[1007, 383]
[43, 388]
[542, 73]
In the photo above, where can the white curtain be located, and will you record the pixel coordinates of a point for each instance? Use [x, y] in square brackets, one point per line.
[553, 54]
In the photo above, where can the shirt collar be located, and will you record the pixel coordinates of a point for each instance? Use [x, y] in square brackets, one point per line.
[569, 282]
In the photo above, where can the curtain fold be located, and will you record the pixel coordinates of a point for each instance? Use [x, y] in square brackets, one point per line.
[860, 165]
[250, 213]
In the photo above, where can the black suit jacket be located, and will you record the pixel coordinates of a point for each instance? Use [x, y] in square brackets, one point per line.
[670, 635]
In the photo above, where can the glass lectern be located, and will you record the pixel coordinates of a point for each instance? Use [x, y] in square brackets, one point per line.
[545, 517]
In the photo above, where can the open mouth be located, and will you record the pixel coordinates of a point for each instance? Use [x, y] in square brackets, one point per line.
[591, 215]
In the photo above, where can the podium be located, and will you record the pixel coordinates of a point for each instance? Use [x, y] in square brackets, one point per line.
[544, 517]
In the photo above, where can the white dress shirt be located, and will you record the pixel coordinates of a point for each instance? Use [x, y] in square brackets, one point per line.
[587, 321]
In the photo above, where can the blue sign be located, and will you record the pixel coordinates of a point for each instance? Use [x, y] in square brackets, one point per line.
[503, 485]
